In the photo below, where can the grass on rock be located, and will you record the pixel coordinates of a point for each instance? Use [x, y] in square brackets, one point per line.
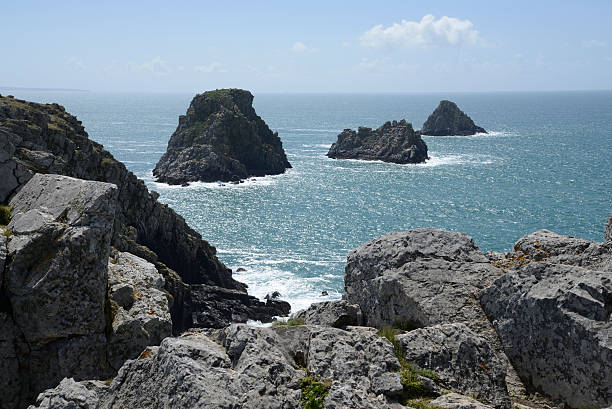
[314, 392]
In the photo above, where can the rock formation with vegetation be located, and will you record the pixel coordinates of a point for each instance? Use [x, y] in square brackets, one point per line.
[221, 138]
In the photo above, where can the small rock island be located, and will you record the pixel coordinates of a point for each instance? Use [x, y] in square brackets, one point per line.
[394, 142]
[221, 138]
[448, 119]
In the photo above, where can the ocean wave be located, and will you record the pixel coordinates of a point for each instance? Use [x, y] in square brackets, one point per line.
[300, 292]
[491, 134]
[311, 130]
[317, 145]
[252, 182]
[434, 161]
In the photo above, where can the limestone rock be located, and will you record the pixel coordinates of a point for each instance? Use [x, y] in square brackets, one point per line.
[55, 282]
[419, 278]
[554, 323]
[608, 230]
[141, 315]
[337, 314]
[457, 401]
[464, 361]
[394, 142]
[221, 138]
[544, 245]
[70, 394]
[447, 119]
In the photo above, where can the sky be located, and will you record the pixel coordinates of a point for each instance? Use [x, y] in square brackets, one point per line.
[308, 46]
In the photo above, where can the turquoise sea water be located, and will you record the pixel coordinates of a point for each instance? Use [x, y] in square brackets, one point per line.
[546, 163]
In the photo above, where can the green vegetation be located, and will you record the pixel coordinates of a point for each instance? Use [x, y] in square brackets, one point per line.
[421, 403]
[290, 322]
[413, 385]
[5, 215]
[314, 392]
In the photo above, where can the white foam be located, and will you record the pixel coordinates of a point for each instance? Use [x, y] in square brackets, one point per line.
[300, 292]
[480, 135]
[317, 145]
[252, 182]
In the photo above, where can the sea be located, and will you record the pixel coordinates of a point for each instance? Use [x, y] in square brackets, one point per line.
[546, 163]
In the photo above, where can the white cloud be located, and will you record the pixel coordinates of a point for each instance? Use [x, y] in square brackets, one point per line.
[300, 47]
[447, 31]
[214, 66]
[155, 66]
[593, 44]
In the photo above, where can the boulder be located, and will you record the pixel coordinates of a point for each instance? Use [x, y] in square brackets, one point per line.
[544, 245]
[337, 314]
[457, 401]
[419, 278]
[608, 229]
[55, 281]
[139, 307]
[554, 323]
[221, 138]
[463, 360]
[70, 394]
[244, 366]
[447, 119]
[394, 142]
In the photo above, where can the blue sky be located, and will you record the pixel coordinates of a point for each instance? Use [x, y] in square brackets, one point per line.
[314, 46]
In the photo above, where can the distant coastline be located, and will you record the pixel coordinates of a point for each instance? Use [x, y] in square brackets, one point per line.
[42, 89]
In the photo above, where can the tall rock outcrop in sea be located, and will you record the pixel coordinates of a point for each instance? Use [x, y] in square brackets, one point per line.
[221, 138]
[447, 119]
[44, 138]
[394, 142]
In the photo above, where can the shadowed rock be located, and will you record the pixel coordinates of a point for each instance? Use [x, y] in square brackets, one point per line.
[447, 119]
[394, 142]
[221, 138]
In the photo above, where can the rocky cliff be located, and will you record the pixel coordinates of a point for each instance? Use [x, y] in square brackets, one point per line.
[447, 119]
[394, 142]
[221, 138]
[44, 138]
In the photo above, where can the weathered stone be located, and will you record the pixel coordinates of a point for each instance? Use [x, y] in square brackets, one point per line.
[141, 315]
[56, 280]
[70, 394]
[337, 314]
[419, 278]
[608, 229]
[217, 307]
[10, 380]
[457, 401]
[464, 361]
[394, 142]
[221, 138]
[554, 323]
[447, 119]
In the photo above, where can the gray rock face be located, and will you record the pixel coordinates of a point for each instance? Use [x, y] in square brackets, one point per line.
[71, 395]
[54, 285]
[464, 361]
[394, 142]
[338, 314]
[447, 119]
[141, 313]
[419, 278]
[44, 138]
[457, 401]
[554, 322]
[258, 368]
[221, 138]
[608, 230]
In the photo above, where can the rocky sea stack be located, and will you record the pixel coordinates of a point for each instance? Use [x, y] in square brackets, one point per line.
[221, 138]
[395, 142]
[448, 119]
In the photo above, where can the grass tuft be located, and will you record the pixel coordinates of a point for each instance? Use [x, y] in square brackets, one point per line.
[314, 392]
[291, 322]
[5, 215]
